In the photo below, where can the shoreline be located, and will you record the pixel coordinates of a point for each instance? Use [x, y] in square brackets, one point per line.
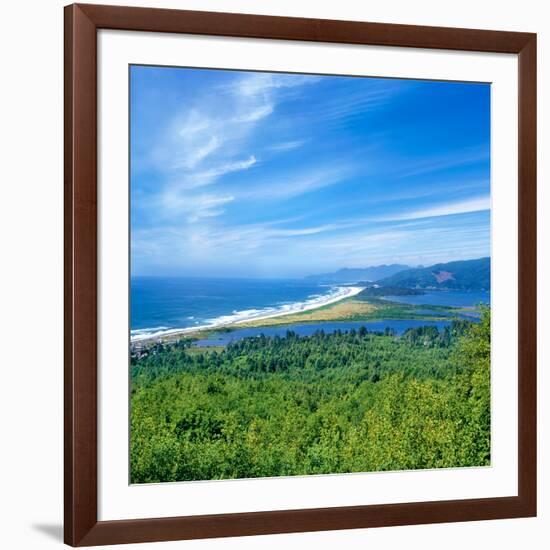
[229, 321]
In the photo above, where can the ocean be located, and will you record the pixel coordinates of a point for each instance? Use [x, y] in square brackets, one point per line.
[162, 304]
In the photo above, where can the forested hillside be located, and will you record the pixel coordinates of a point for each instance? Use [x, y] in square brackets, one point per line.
[345, 402]
[459, 275]
[355, 274]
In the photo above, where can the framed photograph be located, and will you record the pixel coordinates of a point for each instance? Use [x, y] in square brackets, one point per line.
[300, 275]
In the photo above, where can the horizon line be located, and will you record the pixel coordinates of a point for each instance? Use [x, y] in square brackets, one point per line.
[298, 277]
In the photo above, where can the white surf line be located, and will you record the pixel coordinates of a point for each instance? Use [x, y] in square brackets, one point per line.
[348, 293]
[228, 320]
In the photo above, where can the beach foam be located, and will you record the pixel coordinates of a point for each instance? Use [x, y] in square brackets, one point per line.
[238, 317]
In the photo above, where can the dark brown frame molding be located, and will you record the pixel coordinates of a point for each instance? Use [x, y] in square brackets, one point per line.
[82, 527]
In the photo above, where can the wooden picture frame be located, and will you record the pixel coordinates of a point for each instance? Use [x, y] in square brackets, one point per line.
[82, 528]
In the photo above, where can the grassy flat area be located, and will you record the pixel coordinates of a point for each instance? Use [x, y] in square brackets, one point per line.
[346, 310]
[352, 309]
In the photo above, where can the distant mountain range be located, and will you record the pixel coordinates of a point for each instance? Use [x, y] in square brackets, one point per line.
[352, 275]
[459, 275]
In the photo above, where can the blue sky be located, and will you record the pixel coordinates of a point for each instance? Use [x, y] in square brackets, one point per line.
[253, 174]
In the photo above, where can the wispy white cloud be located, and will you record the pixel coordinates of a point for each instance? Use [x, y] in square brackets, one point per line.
[200, 178]
[412, 243]
[191, 208]
[300, 232]
[439, 188]
[348, 104]
[267, 244]
[256, 114]
[212, 138]
[207, 206]
[437, 163]
[194, 155]
[461, 207]
[259, 84]
[192, 140]
[296, 184]
[286, 145]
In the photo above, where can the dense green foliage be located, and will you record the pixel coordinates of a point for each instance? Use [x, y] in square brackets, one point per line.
[344, 402]
[464, 275]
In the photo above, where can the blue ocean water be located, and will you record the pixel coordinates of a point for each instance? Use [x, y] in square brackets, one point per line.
[163, 303]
